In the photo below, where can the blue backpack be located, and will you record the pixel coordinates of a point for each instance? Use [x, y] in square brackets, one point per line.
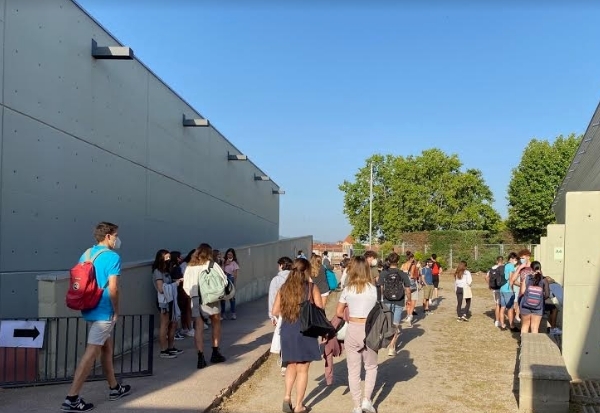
[332, 281]
[533, 298]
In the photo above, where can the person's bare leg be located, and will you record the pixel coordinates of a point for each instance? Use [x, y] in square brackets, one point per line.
[525, 323]
[392, 345]
[324, 299]
[290, 379]
[171, 334]
[511, 317]
[108, 367]
[199, 334]
[535, 323]
[497, 313]
[216, 329]
[301, 383]
[83, 368]
[552, 318]
[162, 331]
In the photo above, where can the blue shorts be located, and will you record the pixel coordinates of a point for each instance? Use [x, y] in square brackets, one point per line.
[507, 300]
[396, 307]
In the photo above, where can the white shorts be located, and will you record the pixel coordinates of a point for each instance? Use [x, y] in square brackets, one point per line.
[496, 295]
[414, 296]
[99, 332]
[206, 309]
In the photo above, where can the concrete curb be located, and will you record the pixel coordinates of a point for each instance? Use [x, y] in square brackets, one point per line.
[229, 390]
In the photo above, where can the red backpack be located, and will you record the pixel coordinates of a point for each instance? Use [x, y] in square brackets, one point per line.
[84, 293]
[435, 268]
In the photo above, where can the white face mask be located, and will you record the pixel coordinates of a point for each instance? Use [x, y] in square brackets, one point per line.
[117, 244]
[374, 262]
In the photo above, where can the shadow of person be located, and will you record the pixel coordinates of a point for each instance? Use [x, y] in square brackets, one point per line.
[322, 391]
[407, 334]
[394, 370]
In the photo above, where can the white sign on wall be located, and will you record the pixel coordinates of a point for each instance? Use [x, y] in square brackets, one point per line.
[559, 253]
[22, 333]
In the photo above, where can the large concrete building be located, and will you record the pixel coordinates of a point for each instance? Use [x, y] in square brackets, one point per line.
[572, 251]
[89, 133]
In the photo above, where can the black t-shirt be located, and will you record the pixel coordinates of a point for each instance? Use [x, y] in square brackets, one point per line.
[403, 277]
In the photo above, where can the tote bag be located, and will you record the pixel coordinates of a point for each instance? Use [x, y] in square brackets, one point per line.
[468, 293]
[313, 321]
[276, 341]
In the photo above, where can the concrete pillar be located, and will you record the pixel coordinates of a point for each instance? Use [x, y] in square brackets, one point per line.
[554, 265]
[581, 317]
[543, 253]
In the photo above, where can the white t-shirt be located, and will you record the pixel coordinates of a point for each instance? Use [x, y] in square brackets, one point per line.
[465, 281]
[359, 305]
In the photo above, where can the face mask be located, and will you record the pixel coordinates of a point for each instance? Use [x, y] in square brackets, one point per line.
[374, 262]
[117, 244]
[523, 260]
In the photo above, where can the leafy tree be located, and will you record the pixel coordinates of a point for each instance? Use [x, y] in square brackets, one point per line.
[418, 193]
[534, 183]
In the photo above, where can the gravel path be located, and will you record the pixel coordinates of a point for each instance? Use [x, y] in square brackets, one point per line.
[442, 365]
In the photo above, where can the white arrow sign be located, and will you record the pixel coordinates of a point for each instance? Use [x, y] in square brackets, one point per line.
[22, 333]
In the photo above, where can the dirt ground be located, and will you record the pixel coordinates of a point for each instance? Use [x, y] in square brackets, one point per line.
[442, 365]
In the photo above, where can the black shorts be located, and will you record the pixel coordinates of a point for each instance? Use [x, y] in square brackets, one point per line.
[168, 310]
[436, 282]
[549, 307]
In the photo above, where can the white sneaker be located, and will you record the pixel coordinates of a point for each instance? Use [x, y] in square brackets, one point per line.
[357, 410]
[517, 319]
[367, 406]
[190, 333]
[496, 323]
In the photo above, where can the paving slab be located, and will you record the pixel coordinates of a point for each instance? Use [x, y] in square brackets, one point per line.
[176, 386]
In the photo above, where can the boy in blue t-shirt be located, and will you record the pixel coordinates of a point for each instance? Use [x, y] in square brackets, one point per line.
[507, 296]
[101, 319]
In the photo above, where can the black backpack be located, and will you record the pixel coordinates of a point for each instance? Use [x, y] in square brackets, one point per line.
[497, 278]
[379, 327]
[393, 287]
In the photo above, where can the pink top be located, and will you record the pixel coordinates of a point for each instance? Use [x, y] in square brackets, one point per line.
[230, 267]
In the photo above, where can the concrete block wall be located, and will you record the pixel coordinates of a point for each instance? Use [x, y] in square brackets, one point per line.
[86, 140]
[581, 309]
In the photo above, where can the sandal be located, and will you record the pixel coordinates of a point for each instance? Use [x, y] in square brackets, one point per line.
[305, 410]
[286, 406]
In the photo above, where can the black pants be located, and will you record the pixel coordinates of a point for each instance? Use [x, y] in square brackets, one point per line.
[459, 300]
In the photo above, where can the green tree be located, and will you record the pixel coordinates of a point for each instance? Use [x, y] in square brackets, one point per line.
[534, 183]
[418, 193]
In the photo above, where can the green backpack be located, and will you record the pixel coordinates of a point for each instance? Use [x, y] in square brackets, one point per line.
[211, 285]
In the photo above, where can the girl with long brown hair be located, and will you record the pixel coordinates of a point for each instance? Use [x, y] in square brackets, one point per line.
[531, 317]
[462, 286]
[297, 350]
[359, 295]
[319, 278]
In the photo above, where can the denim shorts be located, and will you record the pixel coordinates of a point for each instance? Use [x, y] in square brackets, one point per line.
[507, 300]
[396, 307]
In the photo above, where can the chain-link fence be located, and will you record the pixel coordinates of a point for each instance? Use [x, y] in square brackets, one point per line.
[478, 257]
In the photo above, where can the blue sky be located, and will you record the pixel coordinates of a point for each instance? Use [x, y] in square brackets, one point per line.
[308, 92]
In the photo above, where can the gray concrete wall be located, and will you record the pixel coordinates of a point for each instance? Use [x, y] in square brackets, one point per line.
[87, 140]
[581, 308]
[258, 265]
[554, 266]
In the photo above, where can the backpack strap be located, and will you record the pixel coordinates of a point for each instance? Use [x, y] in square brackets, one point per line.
[91, 259]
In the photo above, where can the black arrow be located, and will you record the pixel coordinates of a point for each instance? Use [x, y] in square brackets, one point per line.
[32, 333]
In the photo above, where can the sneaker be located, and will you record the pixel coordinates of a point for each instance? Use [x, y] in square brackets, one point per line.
[357, 410]
[190, 333]
[391, 352]
[367, 406]
[120, 391]
[78, 405]
[205, 326]
[179, 336]
[217, 357]
[459, 319]
[283, 370]
[233, 316]
[464, 318]
[167, 355]
[201, 361]
[517, 319]
[496, 323]
[555, 331]
[175, 351]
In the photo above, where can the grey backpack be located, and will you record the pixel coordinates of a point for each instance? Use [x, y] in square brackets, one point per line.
[379, 327]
